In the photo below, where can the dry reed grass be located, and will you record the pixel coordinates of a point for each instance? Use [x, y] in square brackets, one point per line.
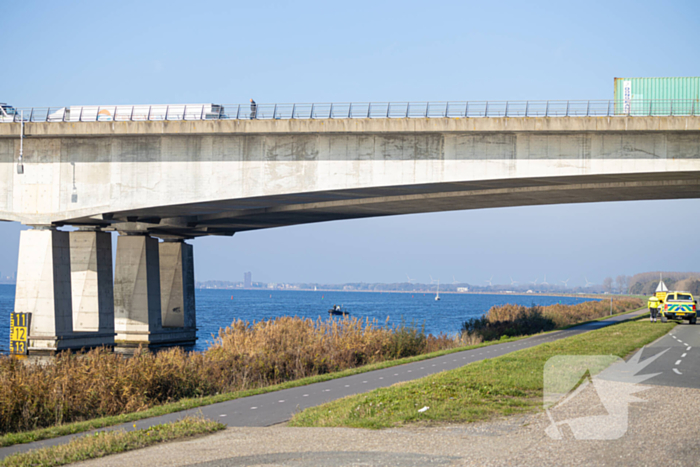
[564, 315]
[245, 355]
[518, 320]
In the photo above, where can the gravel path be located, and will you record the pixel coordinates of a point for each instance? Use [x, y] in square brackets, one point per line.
[517, 440]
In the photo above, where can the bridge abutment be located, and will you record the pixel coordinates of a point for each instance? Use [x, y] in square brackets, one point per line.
[44, 289]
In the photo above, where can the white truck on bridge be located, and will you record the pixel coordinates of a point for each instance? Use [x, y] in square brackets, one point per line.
[109, 113]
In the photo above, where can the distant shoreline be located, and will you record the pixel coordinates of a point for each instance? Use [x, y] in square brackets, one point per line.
[524, 294]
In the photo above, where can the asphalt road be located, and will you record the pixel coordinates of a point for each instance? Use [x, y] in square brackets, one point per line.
[279, 406]
[679, 366]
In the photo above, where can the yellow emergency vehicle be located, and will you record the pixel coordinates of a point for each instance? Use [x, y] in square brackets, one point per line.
[675, 305]
[679, 306]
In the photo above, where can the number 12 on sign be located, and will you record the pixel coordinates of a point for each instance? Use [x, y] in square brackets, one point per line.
[19, 331]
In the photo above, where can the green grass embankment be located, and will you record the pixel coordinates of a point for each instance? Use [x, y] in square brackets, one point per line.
[500, 386]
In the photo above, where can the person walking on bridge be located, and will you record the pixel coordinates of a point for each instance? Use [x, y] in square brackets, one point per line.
[253, 109]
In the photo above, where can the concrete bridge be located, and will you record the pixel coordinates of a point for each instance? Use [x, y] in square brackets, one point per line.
[177, 180]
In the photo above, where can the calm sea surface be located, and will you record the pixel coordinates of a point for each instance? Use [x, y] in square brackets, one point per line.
[218, 308]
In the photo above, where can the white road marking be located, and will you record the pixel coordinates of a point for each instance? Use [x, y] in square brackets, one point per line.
[280, 401]
[364, 381]
[678, 362]
[683, 356]
[432, 364]
[688, 348]
[410, 371]
[422, 368]
[347, 385]
[677, 372]
[306, 395]
[381, 377]
[222, 415]
[326, 390]
[396, 374]
[252, 408]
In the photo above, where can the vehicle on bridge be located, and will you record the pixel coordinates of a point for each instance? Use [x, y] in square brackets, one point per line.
[7, 113]
[679, 306]
[116, 113]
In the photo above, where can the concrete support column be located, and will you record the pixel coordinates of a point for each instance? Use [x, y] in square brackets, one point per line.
[139, 310]
[177, 285]
[91, 281]
[44, 290]
[136, 290]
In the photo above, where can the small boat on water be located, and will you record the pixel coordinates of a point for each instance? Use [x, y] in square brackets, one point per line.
[338, 311]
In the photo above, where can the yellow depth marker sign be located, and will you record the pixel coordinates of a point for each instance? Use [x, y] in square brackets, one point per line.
[19, 331]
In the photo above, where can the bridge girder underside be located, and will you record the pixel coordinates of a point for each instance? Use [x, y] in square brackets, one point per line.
[226, 217]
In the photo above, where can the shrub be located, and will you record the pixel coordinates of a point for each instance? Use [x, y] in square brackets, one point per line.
[521, 321]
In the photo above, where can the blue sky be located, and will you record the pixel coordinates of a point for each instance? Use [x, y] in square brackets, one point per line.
[128, 52]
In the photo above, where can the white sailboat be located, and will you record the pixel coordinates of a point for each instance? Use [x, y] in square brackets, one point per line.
[437, 295]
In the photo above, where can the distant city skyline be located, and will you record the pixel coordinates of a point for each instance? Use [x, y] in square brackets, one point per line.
[610, 285]
[399, 287]
[619, 284]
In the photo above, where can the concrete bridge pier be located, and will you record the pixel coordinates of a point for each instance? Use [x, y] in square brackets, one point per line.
[44, 289]
[178, 312]
[91, 282]
[138, 301]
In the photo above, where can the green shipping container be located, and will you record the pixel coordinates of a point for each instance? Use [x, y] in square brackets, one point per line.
[657, 96]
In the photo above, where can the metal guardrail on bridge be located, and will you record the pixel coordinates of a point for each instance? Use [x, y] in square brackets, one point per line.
[474, 109]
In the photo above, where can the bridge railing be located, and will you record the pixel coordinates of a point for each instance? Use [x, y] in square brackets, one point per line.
[374, 110]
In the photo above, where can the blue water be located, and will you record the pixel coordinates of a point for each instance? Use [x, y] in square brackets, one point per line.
[219, 308]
